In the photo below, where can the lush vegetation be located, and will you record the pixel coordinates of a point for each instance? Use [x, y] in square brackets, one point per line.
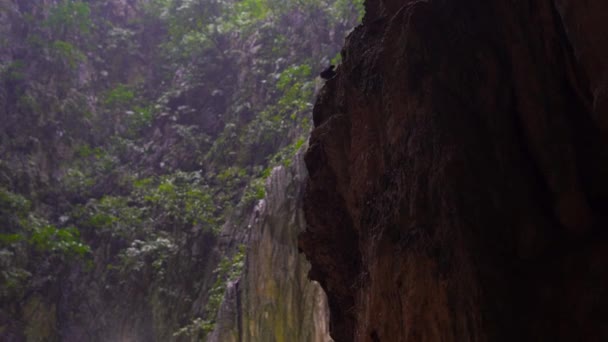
[132, 132]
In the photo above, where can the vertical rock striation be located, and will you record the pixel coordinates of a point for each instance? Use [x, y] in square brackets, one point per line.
[274, 300]
[457, 186]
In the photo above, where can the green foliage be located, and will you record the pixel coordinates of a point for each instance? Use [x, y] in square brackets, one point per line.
[91, 164]
[122, 38]
[128, 109]
[254, 9]
[112, 215]
[296, 86]
[173, 203]
[254, 192]
[28, 233]
[13, 278]
[154, 252]
[77, 181]
[69, 17]
[337, 59]
[66, 53]
[10, 239]
[65, 241]
[228, 270]
[245, 14]
[121, 95]
[141, 117]
[232, 176]
[182, 199]
[192, 26]
[285, 155]
[14, 71]
[13, 204]
[343, 9]
[197, 327]
[291, 75]
[86, 151]
[101, 220]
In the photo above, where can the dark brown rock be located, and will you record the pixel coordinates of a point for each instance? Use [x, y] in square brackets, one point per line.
[457, 167]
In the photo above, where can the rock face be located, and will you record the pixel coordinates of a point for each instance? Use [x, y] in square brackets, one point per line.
[457, 186]
[274, 300]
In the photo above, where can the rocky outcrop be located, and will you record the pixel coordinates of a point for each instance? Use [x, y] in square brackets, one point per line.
[274, 300]
[457, 186]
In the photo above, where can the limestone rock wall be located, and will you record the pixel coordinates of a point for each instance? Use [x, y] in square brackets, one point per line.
[457, 186]
[274, 301]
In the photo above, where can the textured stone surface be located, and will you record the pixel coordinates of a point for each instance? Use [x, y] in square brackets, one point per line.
[457, 186]
[274, 300]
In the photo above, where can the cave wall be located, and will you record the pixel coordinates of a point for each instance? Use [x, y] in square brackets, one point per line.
[457, 188]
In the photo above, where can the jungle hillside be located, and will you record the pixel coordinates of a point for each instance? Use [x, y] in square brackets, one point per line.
[136, 138]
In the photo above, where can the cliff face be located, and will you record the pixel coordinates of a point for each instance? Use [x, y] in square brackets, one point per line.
[457, 188]
[274, 300]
